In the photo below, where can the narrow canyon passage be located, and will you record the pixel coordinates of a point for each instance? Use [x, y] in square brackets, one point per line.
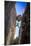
[18, 28]
[11, 24]
[16, 20]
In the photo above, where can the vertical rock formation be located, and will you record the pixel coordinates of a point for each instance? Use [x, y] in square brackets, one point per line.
[26, 26]
[10, 21]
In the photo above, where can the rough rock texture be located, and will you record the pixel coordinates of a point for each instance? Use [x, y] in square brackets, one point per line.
[10, 21]
[26, 26]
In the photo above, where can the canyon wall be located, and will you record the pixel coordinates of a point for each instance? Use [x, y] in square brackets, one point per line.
[26, 26]
[10, 21]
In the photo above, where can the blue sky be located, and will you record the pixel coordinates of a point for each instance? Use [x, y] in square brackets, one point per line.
[20, 7]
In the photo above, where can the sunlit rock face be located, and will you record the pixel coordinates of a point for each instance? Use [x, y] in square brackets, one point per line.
[10, 21]
[18, 27]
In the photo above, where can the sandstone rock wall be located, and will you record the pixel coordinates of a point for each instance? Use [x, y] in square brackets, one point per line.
[10, 21]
